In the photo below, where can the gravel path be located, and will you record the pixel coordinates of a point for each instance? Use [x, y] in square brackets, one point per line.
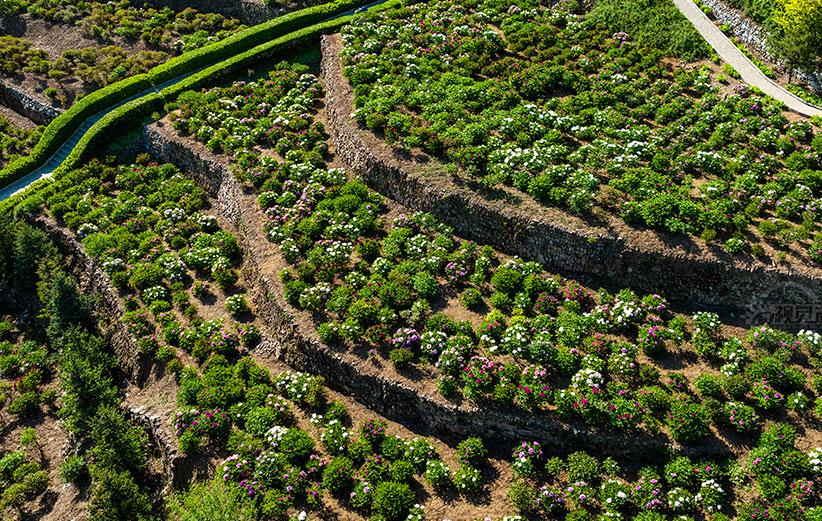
[731, 54]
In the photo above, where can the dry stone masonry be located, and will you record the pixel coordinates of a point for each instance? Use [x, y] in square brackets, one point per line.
[22, 103]
[300, 347]
[747, 295]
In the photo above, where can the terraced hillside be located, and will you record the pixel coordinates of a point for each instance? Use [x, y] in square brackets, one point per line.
[251, 318]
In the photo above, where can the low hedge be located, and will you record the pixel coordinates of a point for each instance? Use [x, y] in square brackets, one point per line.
[131, 112]
[249, 38]
[241, 62]
[64, 125]
[59, 130]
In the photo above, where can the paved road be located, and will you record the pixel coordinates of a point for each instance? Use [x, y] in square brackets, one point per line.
[730, 53]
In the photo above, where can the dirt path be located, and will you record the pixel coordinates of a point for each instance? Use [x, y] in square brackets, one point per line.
[728, 51]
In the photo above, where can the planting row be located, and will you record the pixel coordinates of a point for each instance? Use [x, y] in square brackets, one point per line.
[280, 466]
[551, 104]
[680, 489]
[402, 287]
[146, 227]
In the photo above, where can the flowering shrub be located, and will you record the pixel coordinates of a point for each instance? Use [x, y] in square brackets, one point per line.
[467, 479]
[527, 457]
[236, 304]
[472, 451]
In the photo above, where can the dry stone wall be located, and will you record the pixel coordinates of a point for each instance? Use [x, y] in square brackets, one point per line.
[752, 34]
[746, 295]
[92, 280]
[22, 103]
[300, 347]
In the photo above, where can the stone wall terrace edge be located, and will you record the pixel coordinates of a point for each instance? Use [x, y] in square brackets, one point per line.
[300, 348]
[746, 293]
[26, 105]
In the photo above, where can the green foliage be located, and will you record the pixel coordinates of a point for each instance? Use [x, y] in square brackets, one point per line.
[72, 469]
[117, 444]
[213, 500]
[472, 451]
[25, 405]
[688, 422]
[652, 23]
[392, 500]
[582, 467]
[115, 496]
[338, 476]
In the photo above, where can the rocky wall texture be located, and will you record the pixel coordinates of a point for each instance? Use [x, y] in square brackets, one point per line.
[133, 362]
[299, 346]
[22, 103]
[748, 32]
[92, 280]
[249, 12]
[747, 295]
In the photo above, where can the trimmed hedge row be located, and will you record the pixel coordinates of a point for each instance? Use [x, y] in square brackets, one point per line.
[64, 125]
[131, 112]
[249, 38]
[59, 130]
[31, 199]
[241, 62]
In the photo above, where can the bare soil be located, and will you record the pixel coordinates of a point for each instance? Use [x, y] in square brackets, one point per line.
[16, 119]
[423, 378]
[56, 38]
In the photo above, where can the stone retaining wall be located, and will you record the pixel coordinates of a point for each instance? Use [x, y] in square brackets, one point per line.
[300, 347]
[92, 280]
[746, 295]
[133, 362]
[749, 33]
[22, 103]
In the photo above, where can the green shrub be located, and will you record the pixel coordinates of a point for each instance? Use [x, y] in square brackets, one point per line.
[522, 496]
[582, 467]
[402, 471]
[213, 500]
[260, 420]
[392, 500]
[296, 445]
[688, 422]
[25, 405]
[471, 298]
[709, 385]
[338, 476]
[472, 451]
[72, 469]
[401, 357]
[10, 462]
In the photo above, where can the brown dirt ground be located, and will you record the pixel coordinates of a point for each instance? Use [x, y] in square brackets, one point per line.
[59, 501]
[16, 119]
[423, 377]
[56, 39]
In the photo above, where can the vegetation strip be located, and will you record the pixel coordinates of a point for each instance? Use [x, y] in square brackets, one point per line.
[65, 124]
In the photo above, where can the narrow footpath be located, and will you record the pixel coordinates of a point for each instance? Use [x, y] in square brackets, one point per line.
[750, 73]
[51, 164]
